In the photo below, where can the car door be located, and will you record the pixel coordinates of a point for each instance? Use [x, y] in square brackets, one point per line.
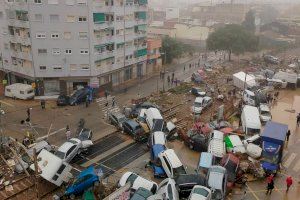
[71, 153]
[167, 167]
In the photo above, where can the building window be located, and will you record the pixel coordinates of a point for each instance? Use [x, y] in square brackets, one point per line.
[84, 67]
[54, 18]
[55, 51]
[38, 17]
[43, 67]
[81, 2]
[84, 51]
[38, 1]
[52, 1]
[83, 35]
[70, 2]
[73, 67]
[54, 35]
[70, 18]
[57, 67]
[40, 35]
[67, 35]
[68, 51]
[42, 51]
[82, 19]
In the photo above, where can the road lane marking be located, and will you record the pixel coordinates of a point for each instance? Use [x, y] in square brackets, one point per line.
[297, 166]
[289, 161]
[252, 192]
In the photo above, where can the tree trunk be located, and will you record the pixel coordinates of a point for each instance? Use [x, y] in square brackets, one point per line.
[229, 55]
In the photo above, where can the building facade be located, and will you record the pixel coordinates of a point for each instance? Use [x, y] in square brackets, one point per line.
[61, 44]
[154, 61]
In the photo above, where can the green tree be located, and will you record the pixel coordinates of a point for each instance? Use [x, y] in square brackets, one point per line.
[233, 39]
[174, 48]
[249, 22]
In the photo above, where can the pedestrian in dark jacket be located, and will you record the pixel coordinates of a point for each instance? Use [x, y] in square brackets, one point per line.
[43, 103]
[87, 101]
[288, 135]
[270, 187]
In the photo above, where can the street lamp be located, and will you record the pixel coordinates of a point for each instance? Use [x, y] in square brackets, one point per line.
[164, 69]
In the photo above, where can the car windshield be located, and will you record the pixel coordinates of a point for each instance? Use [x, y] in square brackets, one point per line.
[267, 113]
[179, 170]
[201, 191]
[72, 141]
[197, 104]
[60, 154]
[132, 178]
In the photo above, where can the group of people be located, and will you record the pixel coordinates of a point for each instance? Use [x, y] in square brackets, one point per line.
[270, 183]
[172, 80]
[271, 98]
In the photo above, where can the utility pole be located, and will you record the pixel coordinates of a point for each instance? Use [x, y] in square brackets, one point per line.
[164, 70]
[36, 174]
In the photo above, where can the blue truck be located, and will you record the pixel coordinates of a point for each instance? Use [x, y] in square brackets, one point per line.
[273, 138]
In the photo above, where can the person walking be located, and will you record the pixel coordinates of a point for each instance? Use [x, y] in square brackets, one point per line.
[270, 187]
[43, 103]
[168, 79]
[106, 94]
[68, 132]
[184, 68]
[298, 119]
[113, 102]
[289, 182]
[87, 101]
[176, 82]
[288, 133]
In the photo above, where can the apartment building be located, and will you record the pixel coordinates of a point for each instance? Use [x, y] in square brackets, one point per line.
[61, 44]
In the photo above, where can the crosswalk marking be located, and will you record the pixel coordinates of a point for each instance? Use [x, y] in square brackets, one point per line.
[296, 168]
[290, 159]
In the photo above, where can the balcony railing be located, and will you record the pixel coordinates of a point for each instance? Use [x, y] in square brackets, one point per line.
[19, 39]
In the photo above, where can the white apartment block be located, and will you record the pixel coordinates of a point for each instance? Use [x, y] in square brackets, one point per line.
[60, 44]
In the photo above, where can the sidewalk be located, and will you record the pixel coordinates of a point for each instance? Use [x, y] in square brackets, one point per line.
[145, 87]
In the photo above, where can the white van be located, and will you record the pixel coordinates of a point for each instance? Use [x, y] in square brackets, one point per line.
[52, 168]
[154, 119]
[19, 91]
[250, 120]
[216, 144]
[171, 163]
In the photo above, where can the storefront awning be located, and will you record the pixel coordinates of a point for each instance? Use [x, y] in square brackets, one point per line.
[99, 17]
[141, 52]
[100, 60]
[143, 2]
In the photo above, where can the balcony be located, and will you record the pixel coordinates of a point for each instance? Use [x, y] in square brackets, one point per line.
[104, 55]
[104, 25]
[21, 55]
[105, 39]
[18, 23]
[21, 40]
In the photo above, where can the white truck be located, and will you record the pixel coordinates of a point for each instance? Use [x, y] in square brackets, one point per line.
[250, 120]
[243, 81]
[52, 168]
[19, 91]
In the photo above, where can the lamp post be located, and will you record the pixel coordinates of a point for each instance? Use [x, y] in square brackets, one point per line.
[164, 69]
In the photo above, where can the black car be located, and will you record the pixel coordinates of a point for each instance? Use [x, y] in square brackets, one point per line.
[197, 142]
[134, 129]
[198, 92]
[186, 182]
[79, 96]
[63, 100]
[116, 119]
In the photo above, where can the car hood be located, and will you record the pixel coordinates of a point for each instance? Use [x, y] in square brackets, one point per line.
[197, 109]
[141, 182]
[265, 117]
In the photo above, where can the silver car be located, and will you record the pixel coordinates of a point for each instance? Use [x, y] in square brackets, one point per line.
[68, 150]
